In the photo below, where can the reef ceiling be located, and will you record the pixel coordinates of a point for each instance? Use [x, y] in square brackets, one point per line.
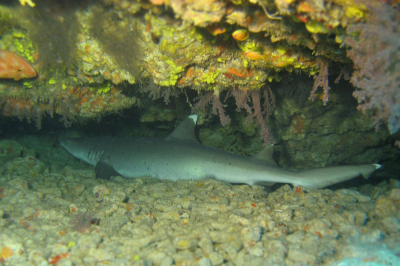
[100, 57]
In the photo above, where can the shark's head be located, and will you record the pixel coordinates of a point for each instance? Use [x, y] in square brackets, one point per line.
[82, 149]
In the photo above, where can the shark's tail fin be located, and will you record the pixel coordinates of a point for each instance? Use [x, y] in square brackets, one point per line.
[323, 177]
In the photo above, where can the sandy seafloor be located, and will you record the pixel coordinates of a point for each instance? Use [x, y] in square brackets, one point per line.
[146, 221]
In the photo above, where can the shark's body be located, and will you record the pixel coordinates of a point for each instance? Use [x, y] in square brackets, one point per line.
[181, 156]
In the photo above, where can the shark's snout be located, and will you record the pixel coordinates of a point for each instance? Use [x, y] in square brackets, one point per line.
[68, 144]
[63, 142]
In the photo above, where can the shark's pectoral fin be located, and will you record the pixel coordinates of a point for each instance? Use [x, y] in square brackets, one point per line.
[105, 171]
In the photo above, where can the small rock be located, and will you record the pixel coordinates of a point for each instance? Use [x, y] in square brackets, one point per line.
[206, 244]
[182, 243]
[168, 261]
[296, 237]
[300, 256]
[257, 250]
[237, 219]
[311, 243]
[391, 224]
[266, 222]
[346, 195]
[283, 215]
[395, 194]
[362, 198]
[275, 250]
[100, 192]
[9, 149]
[77, 189]
[215, 258]
[251, 235]
[384, 207]
[28, 165]
[371, 236]
[361, 218]
[203, 262]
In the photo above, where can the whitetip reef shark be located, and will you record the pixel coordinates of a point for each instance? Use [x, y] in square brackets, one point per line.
[181, 156]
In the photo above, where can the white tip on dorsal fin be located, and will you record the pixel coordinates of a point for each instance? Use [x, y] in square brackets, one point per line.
[185, 130]
[265, 155]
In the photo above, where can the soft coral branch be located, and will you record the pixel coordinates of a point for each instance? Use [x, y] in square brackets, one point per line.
[260, 114]
[248, 100]
[321, 80]
[212, 98]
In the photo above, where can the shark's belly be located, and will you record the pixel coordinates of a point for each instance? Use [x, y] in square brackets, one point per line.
[185, 161]
[158, 160]
[163, 169]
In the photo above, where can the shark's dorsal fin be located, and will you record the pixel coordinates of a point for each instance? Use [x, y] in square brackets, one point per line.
[265, 155]
[185, 130]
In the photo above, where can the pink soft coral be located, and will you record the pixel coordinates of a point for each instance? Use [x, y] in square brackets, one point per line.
[375, 53]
